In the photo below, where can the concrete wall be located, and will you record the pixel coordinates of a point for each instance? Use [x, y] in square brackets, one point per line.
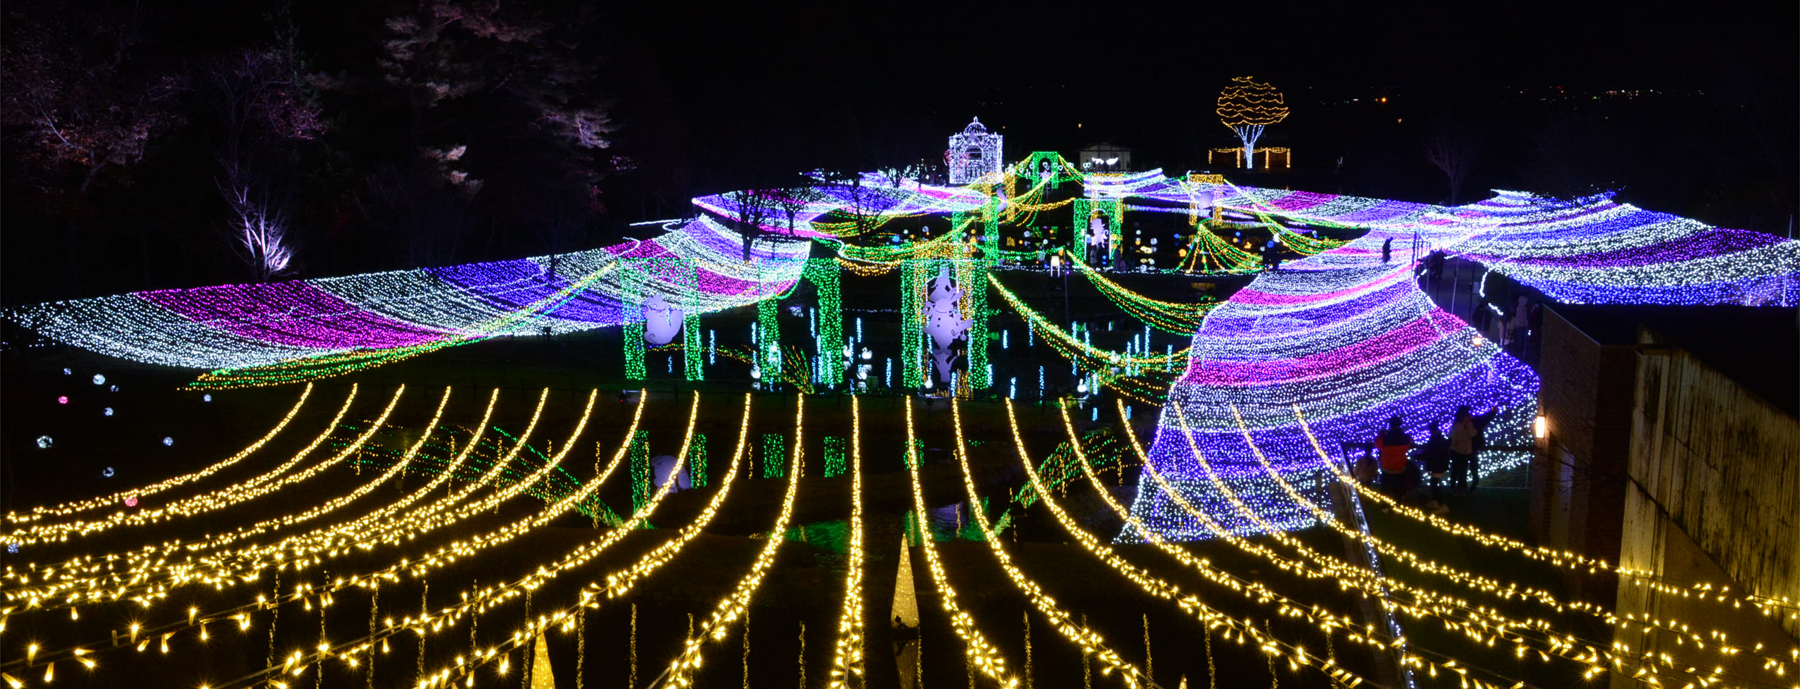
[1714, 469]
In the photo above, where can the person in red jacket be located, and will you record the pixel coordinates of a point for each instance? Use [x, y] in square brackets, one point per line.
[1391, 447]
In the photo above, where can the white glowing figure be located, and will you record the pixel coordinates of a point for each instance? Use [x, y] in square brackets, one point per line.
[943, 322]
[1099, 239]
[661, 465]
[662, 321]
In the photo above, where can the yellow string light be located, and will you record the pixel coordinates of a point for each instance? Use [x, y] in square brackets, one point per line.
[1566, 559]
[977, 650]
[1090, 641]
[1486, 625]
[620, 583]
[847, 658]
[205, 502]
[39, 513]
[736, 604]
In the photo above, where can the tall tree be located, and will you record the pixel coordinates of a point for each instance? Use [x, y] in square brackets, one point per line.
[1455, 150]
[792, 199]
[262, 107]
[78, 106]
[865, 205]
[1246, 106]
[486, 86]
[753, 208]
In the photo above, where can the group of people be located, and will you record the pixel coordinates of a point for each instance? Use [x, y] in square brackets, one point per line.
[1402, 465]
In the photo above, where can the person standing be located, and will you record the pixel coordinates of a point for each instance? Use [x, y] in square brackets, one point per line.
[1391, 447]
[1465, 441]
[1518, 326]
[1387, 250]
[1435, 455]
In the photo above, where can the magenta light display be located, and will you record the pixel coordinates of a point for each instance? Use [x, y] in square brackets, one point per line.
[698, 265]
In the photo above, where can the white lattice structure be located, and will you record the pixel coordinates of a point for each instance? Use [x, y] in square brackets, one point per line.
[973, 153]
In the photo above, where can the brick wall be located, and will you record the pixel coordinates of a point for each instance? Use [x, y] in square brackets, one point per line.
[1578, 491]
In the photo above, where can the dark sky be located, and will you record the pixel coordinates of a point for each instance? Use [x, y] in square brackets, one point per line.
[1146, 71]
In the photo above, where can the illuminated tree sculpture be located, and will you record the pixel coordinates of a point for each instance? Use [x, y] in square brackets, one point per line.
[1246, 106]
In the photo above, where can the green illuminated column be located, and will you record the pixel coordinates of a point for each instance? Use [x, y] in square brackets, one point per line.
[692, 346]
[976, 286]
[639, 455]
[990, 231]
[823, 272]
[697, 461]
[768, 333]
[912, 321]
[631, 298]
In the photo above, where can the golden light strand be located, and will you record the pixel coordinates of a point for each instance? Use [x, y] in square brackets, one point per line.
[847, 660]
[38, 513]
[1090, 641]
[737, 603]
[977, 650]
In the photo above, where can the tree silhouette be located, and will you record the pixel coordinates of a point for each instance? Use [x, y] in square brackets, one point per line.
[1454, 149]
[260, 107]
[792, 199]
[79, 106]
[1246, 106]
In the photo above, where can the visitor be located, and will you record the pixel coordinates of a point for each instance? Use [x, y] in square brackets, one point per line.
[1367, 469]
[1466, 440]
[1517, 326]
[1482, 316]
[1435, 455]
[1387, 250]
[1393, 444]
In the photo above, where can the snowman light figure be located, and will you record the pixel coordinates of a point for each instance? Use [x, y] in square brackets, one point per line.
[662, 321]
[943, 322]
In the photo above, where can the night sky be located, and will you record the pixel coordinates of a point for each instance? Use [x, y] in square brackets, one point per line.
[1701, 119]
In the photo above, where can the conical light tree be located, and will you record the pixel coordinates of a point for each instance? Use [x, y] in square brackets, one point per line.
[1246, 106]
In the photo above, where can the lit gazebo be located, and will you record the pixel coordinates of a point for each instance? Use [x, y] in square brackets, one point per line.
[973, 153]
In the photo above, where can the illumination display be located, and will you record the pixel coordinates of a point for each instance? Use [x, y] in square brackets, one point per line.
[1246, 106]
[973, 153]
[698, 266]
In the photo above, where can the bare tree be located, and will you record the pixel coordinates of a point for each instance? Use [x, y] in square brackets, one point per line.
[442, 50]
[561, 225]
[431, 219]
[1455, 150]
[78, 105]
[865, 206]
[74, 96]
[794, 198]
[261, 108]
[259, 232]
[752, 208]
